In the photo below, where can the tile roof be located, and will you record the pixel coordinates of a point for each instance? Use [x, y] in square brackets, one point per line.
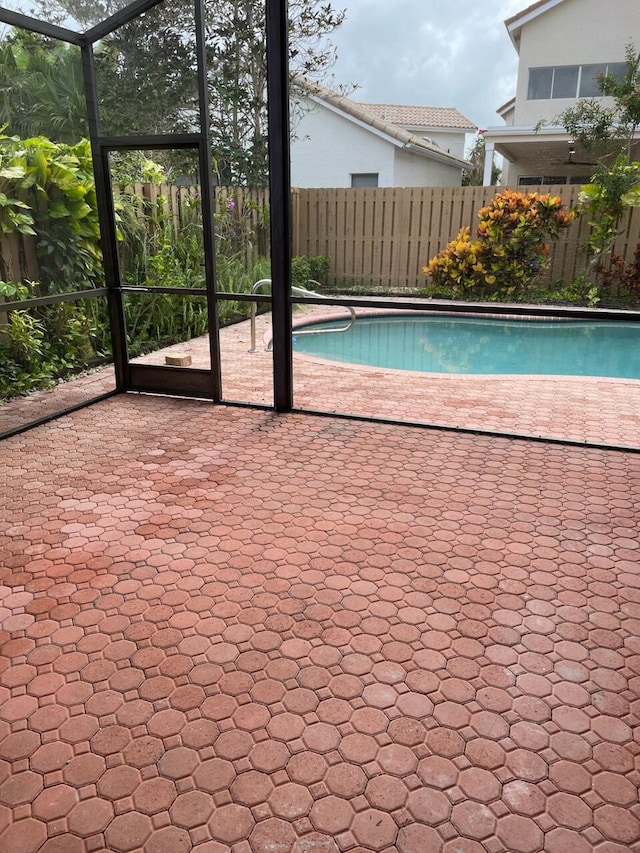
[363, 113]
[412, 116]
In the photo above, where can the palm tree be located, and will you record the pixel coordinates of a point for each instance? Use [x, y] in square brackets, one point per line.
[41, 89]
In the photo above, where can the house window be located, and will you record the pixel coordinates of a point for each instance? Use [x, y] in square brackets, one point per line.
[540, 83]
[588, 79]
[565, 81]
[364, 179]
[537, 180]
[570, 81]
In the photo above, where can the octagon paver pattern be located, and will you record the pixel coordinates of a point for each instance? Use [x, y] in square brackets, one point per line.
[596, 410]
[229, 630]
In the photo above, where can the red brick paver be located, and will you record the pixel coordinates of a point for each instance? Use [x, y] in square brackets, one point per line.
[584, 409]
[225, 630]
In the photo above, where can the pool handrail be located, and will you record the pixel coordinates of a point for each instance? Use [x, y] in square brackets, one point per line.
[296, 290]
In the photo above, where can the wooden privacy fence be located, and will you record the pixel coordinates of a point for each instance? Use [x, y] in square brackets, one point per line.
[381, 238]
[386, 236]
[248, 214]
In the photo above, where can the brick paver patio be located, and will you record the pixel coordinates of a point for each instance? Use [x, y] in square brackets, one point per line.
[584, 409]
[229, 630]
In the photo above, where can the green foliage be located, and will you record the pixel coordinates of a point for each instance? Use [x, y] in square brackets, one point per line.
[474, 176]
[15, 215]
[25, 338]
[590, 125]
[41, 88]
[509, 251]
[579, 291]
[40, 346]
[240, 222]
[621, 280]
[53, 199]
[319, 267]
[612, 190]
[57, 203]
[310, 268]
[160, 319]
[234, 275]
[14, 291]
[155, 252]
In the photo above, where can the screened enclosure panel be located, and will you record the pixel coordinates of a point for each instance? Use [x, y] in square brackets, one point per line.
[147, 73]
[76, 15]
[158, 209]
[247, 371]
[160, 245]
[58, 355]
[167, 330]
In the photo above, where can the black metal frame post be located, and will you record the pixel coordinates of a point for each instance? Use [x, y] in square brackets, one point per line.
[207, 196]
[280, 193]
[108, 238]
[44, 28]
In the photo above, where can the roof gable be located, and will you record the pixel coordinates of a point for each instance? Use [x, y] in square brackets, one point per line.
[515, 23]
[362, 115]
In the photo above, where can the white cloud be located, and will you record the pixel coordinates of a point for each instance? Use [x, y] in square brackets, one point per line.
[455, 54]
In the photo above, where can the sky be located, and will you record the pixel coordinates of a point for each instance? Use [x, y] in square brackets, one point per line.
[448, 53]
[429, 52]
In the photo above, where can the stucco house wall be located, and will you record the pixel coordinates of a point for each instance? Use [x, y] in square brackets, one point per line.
[553, 34]
[410, 172]
[576, 32]
[327, 149]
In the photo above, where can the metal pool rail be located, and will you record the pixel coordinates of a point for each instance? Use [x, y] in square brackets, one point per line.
[296, 290]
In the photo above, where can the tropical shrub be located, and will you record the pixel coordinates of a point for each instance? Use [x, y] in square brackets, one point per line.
[46, 343]
[509, 250]
[622, 279]
[612, 191]
[55, 200]
[306, 268]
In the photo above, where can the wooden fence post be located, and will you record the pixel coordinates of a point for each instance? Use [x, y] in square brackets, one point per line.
[379, 236]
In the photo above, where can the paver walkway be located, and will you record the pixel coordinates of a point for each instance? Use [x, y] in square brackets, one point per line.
[228, 630]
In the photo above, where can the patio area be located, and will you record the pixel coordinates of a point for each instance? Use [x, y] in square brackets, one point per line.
[232, 630]
[603, 411]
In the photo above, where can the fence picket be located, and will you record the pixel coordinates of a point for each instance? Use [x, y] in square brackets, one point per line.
[379, 236]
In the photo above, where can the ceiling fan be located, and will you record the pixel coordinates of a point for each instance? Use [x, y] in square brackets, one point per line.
[571, 162]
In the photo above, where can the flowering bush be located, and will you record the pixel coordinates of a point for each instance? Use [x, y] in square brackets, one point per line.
[510, 247]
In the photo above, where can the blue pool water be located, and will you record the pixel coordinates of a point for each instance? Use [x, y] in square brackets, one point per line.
[481, 346]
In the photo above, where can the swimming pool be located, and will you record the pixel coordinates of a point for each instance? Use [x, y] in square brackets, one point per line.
[471, 345]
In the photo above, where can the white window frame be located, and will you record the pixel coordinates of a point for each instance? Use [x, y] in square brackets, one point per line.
[553, 68]
[357, 175]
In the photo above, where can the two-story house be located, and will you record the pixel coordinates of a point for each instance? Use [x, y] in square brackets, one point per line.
[562, 45]
[341, 143]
